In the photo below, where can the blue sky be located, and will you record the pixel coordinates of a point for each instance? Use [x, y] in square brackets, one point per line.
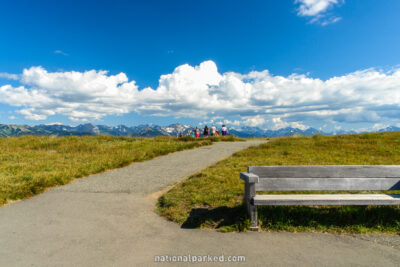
[328, 64]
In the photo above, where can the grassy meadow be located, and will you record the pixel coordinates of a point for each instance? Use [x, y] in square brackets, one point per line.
[29, 164]
[212, 198]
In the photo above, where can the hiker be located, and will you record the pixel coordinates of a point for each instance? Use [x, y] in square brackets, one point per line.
[205, 131]
[180, 134]
[224, 130]
[197, 132]
[213, 130]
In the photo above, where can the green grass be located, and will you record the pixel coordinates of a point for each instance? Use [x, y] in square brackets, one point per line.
[213, 198]
[29, 165]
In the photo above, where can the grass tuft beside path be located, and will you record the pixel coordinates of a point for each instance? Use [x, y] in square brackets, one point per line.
[29, 164]
[213, 198]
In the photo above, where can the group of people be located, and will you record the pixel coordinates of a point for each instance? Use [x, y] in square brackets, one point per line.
[212, 131]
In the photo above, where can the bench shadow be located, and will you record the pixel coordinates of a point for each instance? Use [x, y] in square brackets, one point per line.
[217, 217]
[300, 218]
[352, 218]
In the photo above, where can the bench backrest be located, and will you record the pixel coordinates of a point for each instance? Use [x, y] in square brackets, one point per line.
[327, 177]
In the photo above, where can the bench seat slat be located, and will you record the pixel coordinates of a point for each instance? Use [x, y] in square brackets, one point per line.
[329, 184]
[327, 171]
[327, 199]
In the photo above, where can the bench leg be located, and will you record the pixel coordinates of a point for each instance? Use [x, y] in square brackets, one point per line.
[249, 193]
[253, 218]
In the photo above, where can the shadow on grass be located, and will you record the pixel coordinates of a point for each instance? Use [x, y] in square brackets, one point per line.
[357, 219]
[352, 219]
[227, 218]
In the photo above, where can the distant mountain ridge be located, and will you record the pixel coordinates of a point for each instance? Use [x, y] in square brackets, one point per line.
[147, 130]
[90, 129]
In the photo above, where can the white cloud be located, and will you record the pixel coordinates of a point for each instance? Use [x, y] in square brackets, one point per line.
[79, 95]
[314, 7]
[254, 121]
[233, 122]
[317, 10]
[8, 76]
[329, 20]
[378, 126]
[278, 123]
[201, 92]
[61, 53]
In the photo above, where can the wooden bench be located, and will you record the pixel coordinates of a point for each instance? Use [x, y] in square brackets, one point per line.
[323, 177]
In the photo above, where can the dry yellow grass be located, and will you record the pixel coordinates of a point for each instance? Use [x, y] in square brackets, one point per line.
[29, 165]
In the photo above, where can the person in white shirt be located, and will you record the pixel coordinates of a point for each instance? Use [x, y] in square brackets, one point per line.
[213, 130]
[224, 130]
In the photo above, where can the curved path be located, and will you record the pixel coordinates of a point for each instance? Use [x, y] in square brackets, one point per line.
[108, 220]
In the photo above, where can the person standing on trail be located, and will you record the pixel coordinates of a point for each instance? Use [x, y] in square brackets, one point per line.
[205, 131]
[197, 132]
[224, 130]
[213, 130]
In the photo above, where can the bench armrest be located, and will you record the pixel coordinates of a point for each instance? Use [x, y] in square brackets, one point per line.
[249, 177]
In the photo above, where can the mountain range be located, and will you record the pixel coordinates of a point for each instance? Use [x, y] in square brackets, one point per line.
[154, 130]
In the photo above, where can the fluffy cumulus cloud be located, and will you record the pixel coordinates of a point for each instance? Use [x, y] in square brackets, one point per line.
[318, 10]
[78, 95]
[258, 98]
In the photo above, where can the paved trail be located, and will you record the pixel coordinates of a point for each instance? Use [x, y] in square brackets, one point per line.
[108, 220]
